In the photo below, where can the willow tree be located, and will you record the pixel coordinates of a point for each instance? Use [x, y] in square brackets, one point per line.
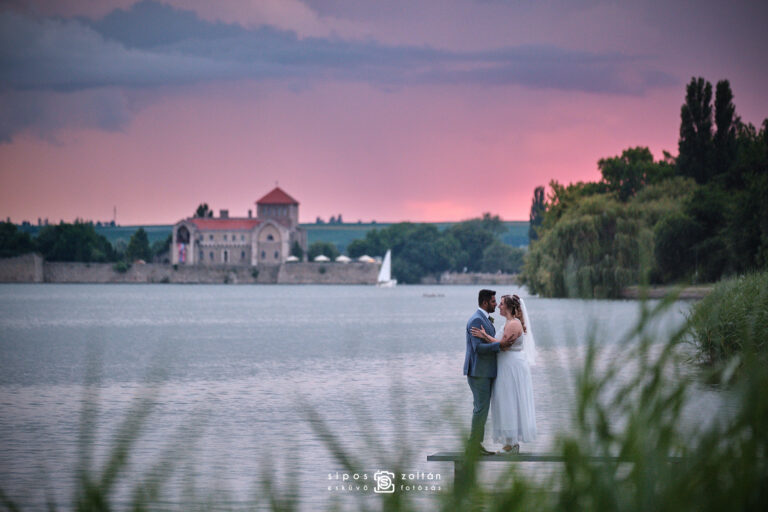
[600, 245]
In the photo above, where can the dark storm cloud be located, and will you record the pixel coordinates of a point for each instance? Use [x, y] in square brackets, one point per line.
[45, 113]
[156, 44]
[153, 44]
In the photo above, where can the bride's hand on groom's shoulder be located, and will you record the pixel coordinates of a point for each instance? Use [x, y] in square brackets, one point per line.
[479, 333]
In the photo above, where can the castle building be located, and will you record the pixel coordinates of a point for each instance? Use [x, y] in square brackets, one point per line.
[241, 241]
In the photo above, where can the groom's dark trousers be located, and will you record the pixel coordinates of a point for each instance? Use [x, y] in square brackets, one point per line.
[480, 369]
[481, 387]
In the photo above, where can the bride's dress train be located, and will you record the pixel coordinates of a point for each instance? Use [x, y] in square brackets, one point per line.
[513, 412]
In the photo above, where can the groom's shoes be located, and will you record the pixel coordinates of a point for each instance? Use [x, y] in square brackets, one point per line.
[479, 449]
[483, 451]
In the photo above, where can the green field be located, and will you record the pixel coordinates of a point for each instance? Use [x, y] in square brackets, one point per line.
[339, 234]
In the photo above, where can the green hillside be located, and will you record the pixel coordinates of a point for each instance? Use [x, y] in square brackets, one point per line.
[339, 234]
[343, 234]
[116, 233]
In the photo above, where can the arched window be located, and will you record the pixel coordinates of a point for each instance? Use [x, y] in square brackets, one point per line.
[211, 255]
[270, 237]
[225, 236]
[277, 254]
[182, 235]
[202, 255]
[242, 255]
[263, 254]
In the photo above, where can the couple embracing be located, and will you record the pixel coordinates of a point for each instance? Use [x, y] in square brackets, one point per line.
[497, 369]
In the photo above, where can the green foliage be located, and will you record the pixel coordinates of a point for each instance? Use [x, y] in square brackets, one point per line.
[14, 242]
[138, 247]
[419, 250]
[675, 237]
[538, 208]
[562, 197]
[74, 242]
[746, 232]
[357, 248]
[160, 247]
[731, 322]
[625, 175]
[599, 246]
[297, 251]
[695, 145]
[499, 257]
[325, 248]
[121, 267]
[203, 211]
[709, 207]
[724, 141]
[473, 237]
[707, 222]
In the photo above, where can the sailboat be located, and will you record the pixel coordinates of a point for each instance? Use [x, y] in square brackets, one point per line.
[385, 273]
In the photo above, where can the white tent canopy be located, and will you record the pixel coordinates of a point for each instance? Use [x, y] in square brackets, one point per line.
[291, 258]
[322, 257]
[366, 259]
[343, 259]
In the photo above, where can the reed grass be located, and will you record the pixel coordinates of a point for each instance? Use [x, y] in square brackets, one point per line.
[732, 322]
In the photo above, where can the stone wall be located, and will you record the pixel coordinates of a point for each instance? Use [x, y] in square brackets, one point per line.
[328, 273]
[472, 278]
[31, 268]
[27, 268]
[65, 272]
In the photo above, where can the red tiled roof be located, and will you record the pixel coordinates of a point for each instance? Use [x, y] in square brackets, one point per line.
[211, 223]
[277, 196]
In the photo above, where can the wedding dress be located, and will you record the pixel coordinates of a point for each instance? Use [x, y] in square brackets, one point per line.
[513, 414]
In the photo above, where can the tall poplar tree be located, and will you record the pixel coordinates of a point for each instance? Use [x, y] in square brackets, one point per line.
[537, 213]
[726, 122]
[695, 144]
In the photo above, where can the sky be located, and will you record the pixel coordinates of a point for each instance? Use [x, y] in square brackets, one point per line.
[397, 110]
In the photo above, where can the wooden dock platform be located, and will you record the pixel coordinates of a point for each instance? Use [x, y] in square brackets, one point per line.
[458, 458]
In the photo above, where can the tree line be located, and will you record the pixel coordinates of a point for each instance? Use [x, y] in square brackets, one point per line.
[78, 241]
[420, 250]
[696, 217]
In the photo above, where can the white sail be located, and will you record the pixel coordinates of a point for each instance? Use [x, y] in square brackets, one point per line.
[385, 273]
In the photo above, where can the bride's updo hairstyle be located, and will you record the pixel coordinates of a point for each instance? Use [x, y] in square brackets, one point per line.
[512, 303]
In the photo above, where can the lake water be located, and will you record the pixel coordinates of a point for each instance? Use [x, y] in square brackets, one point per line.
[236, 373]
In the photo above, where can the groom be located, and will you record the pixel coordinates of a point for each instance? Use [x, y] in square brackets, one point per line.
[480, 366]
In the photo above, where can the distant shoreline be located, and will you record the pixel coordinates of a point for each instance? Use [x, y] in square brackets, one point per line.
[659, 292]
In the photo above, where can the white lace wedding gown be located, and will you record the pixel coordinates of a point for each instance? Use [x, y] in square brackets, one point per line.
[513, 415]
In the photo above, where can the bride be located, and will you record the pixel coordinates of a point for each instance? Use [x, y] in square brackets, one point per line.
[512, 408]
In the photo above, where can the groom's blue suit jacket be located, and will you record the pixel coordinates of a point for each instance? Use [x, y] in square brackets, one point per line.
[480, 360]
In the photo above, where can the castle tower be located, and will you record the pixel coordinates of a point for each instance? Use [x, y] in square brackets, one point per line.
[280, 207]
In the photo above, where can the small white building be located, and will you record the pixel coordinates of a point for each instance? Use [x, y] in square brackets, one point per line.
[241, 241]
